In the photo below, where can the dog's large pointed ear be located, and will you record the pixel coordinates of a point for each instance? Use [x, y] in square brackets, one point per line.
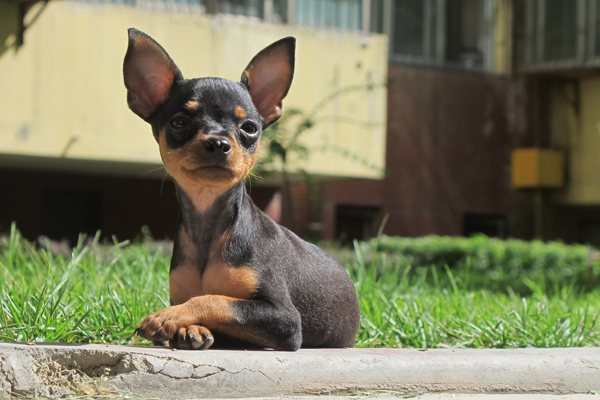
[268, 78]
[149, 74]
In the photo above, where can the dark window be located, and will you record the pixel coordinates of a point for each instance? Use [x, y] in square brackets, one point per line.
[67, 213]
[487, 224]
[596, 26]
[377, 16]
[455, 33]
[465, 39]
[557, 34]
[346, 14]
[589, 232]
[409, 28]
[248, 8]
[355, 223]
[560, 29]
[278, 12]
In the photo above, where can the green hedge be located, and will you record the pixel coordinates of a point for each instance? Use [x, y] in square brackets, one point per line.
[496, 264]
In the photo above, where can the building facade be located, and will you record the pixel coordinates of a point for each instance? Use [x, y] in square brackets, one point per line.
[557, 50]
[455, 112]
[73, 158]
[448, 117]
[493, 124]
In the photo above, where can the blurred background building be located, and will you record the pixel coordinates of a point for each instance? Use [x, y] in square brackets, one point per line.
[448, 117]
[73, 158]
[493, 124]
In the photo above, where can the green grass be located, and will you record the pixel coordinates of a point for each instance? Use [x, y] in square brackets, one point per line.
[99, 293]
[96, 295]
[406, 310]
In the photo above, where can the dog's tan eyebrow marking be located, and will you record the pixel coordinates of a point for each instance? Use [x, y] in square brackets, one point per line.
[240, 112]
[192, 105]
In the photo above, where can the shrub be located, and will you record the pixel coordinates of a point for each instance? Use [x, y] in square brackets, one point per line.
[495, 264]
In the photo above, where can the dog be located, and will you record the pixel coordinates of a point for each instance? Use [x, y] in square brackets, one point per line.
[237, 278]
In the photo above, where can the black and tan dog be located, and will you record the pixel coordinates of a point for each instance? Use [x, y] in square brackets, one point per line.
[237, 278]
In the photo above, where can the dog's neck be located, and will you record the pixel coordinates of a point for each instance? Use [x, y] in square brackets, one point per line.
[204, 224]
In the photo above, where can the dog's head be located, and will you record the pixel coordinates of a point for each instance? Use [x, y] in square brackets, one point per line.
[208, 129]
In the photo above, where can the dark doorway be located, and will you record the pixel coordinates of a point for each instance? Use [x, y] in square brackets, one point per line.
[66, 213]
[589, 232]
[488, 224]
[355, 223]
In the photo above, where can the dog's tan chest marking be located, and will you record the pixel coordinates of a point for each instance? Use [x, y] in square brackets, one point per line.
[239, 283]
[187, 280]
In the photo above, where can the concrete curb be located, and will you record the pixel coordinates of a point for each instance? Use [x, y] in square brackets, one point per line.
[61, 370]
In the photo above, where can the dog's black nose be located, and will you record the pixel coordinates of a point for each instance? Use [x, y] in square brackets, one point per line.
[217, 144]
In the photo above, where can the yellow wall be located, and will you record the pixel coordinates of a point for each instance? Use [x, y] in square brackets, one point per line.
[502, 36]
[576, 129]
[63, 90]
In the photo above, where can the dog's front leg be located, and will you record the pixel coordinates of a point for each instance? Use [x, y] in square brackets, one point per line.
[259, 322]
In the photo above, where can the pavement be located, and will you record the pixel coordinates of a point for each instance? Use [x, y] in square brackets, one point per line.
[50, 370]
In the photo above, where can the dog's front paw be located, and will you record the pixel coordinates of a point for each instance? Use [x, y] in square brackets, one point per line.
[163, 325]
[194, 337]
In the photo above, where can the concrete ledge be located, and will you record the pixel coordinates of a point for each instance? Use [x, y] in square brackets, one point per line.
[61, 370]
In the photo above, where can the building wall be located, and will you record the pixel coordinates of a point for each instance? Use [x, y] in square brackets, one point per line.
[73, 155]
[63, 95]
[62, 205]
[503, 36]
[573, 211]
[450, 136]
[575, 128]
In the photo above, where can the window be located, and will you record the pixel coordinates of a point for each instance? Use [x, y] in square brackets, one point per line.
[377, 21]
[355, 223]
[346, 14]
[487, 224]
[551, 34]
[466, 38]
[414, 28]
[559, 29]
[343, 14]
[248, 8]
[443, 32]
[271, 10]
[589, 232]
[595, 26]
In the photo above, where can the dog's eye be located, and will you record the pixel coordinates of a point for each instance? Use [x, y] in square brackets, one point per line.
[179, 122]
[250, 128]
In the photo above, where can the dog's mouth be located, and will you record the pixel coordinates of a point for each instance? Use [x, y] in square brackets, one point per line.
[211, 171]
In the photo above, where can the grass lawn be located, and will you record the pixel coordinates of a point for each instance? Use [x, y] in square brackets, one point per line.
[99, 293]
